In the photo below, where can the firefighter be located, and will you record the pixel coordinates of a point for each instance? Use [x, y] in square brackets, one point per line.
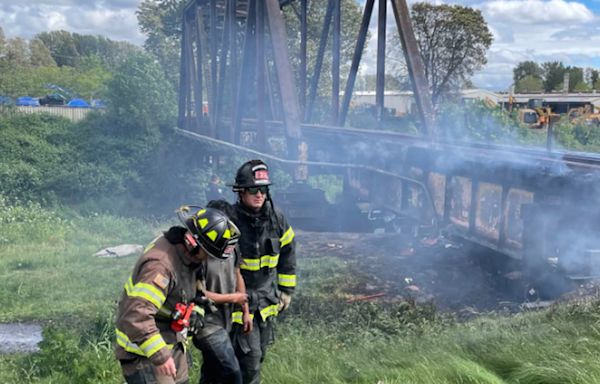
[158, 296]
[224, 285]
[215, 190]
[268, 265]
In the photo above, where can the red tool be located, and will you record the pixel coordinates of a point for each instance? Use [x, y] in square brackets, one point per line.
[181, 316]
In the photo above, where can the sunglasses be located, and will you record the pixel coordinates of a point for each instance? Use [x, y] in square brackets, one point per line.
[255, 190]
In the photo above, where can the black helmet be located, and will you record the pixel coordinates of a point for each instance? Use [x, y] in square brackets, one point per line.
[253, 173]
[213, 231]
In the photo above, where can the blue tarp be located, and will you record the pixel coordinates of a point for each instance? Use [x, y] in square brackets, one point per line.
[78, 103]
[27, 101]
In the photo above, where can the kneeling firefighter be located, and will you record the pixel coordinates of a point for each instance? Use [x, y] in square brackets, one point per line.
[268, 265]
[157, 309]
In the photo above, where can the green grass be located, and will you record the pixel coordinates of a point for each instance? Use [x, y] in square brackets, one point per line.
[50, 276]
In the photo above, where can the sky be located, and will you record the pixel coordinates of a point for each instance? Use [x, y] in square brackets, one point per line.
[539, 30]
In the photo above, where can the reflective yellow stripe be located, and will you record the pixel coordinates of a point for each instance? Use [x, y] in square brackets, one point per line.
[199, 310]
[237, 317]
[152, 345]
[145, 291]
[271, 310]
[151, 245]
[149, 347]
[266, 261]
[250, 264]
[287, 237]
[286, 280]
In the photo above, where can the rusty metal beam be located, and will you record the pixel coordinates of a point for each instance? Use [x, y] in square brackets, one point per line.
[314, 84]
[335, 63]
[303, 53]
[380, 83]
[283, 68]
[358, 50]
[415, 66]
[196, 69]
[213, 67]
[233, 60]
[260, 36]
[225, 51]
[246, 66]
[183, 82]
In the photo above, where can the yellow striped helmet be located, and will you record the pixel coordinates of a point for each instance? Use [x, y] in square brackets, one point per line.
[215, 233]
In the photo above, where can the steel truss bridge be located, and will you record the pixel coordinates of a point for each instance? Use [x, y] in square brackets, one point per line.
[239, 90]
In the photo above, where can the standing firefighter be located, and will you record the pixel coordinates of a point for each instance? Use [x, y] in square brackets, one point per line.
[157, 308]
[268, 265]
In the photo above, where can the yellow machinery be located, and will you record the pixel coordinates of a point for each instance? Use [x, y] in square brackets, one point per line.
[536, 115]
[584, 115]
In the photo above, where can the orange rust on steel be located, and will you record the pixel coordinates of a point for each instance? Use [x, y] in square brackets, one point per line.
[365, 298]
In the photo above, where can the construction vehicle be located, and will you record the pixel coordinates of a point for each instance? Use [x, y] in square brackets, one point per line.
[584, 115]
[537, 115]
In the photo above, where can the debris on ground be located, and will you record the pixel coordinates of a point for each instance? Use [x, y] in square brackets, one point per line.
[365, 297]
[122, 250]
[19, 338]
[447, 273]
[537, 304]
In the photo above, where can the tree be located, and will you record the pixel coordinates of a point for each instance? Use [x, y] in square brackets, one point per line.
[160, 21]
[554, 72]
[453, 41]
[39, 54]
[527, 68]
[529, 84]
[2, 42]
[594, 77]
[575, 78]
[62, 47]
[368, 83]
[582, 87]
[69, 48]
[17, 52]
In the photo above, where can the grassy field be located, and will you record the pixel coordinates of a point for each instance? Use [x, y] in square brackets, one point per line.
[49, 276]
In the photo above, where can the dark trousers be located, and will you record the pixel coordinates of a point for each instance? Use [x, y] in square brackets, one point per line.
[141, 371]
[251, 348]
[220, 365]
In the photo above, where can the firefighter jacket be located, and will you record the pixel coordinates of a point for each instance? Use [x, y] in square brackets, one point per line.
[268, 257]
[163, 276]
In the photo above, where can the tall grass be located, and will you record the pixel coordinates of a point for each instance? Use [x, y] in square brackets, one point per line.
[50, 276]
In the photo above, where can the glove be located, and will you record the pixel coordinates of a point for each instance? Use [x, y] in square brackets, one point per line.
[196, 320]
[284, 301]
[205, 302]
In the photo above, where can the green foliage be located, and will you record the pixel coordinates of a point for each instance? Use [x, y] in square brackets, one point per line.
[453, 41]
[68, 49]
[529, 84]
[160, 21]
[87, 81]
[37, 159]
[527, 69]
[553, 75]
[581, 87]
[333, 185]
[477, 121]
